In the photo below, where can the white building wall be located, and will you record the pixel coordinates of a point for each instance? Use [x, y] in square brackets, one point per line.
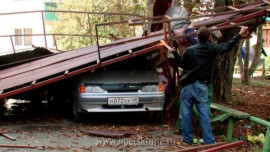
[29, 20]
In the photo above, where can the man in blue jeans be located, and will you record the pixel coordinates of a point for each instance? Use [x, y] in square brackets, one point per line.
[197, 63]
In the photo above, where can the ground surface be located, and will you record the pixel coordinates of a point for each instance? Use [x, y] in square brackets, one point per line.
[49, 129]
[56, 133]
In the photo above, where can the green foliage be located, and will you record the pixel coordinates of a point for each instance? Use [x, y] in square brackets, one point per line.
[78, 23]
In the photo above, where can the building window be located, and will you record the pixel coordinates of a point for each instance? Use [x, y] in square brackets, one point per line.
[51, 16]
[22, 39]
[18, 39]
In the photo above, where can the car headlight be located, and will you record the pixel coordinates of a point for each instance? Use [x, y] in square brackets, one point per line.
[94, 89]
[91, 89]
[150, 88]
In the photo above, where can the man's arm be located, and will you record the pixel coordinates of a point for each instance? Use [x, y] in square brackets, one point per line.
[227, 46]
[178, 58]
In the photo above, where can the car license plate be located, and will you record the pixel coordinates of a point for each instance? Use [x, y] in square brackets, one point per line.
[123, 101]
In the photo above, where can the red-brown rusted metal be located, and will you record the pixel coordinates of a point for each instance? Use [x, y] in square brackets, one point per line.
[248, 9]
[225, 146]
[17, 146]
[43, 71]
[18, 79]
[90, 29]
[198, 148]
[225, 17]
[55, 42]
[244, 18]
[12, 44]
[97, 41]
[7, 136]
[60, 11]
[71, 74]
[44, 30]
[214, 29]
[75, 12]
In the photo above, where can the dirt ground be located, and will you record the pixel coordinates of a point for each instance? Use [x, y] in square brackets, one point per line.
[49, 129]
[57, 133]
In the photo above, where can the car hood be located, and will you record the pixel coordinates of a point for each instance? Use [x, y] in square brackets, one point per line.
[112, 77]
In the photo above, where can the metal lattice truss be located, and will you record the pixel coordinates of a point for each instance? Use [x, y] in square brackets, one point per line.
[50, 69]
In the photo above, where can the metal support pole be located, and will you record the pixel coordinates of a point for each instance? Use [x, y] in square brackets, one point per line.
[230, 129]
[164, 31]
[134, 30]
[13, 47]
[55, 42]
[266, 146]
[90, 29]
[259, 121]
[44, 30]
[97, 42]
[225, 146]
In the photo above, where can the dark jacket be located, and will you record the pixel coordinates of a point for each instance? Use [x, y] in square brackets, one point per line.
[198, 60]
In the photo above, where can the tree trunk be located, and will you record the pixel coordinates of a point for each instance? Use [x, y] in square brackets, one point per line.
[223, 75]
[258, 51]
[245, 78]
[240, 62]
[223, 72]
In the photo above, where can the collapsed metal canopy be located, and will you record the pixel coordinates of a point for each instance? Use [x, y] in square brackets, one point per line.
[60, 66]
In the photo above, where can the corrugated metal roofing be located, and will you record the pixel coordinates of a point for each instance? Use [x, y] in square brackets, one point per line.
[64, 65]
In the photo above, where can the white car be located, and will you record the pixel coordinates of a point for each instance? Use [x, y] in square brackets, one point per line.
[128, 86]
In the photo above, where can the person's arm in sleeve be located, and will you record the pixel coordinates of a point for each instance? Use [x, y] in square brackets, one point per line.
[227, 46]
[178, 58]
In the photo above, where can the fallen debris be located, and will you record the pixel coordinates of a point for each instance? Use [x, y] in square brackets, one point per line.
[225, 146]
[17, 146]
[3, 133]
[108, 133]
[190, 149]
[7, 136]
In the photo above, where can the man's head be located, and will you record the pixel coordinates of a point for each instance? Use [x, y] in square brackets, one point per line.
[203, 34]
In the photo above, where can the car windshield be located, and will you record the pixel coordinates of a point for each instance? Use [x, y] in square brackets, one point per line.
[136, 63]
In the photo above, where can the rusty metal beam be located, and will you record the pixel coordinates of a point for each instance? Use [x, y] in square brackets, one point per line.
[226, 146]
[41, 71]
[233, 8]
[90, 29]
[266, 1]
[224, 8]
[214, 29]
[12, 44]
[64, 64]
[197, 148]
[250, 8]
[55, 42]
[45, 62]
[245, 18]
[75, 12]
[123, 41]
[7, 136]
[55, 34]
[44, 29]
[222, 18]
[17, 146]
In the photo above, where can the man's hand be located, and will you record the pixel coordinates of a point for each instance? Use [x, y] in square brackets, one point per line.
[244, 31]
